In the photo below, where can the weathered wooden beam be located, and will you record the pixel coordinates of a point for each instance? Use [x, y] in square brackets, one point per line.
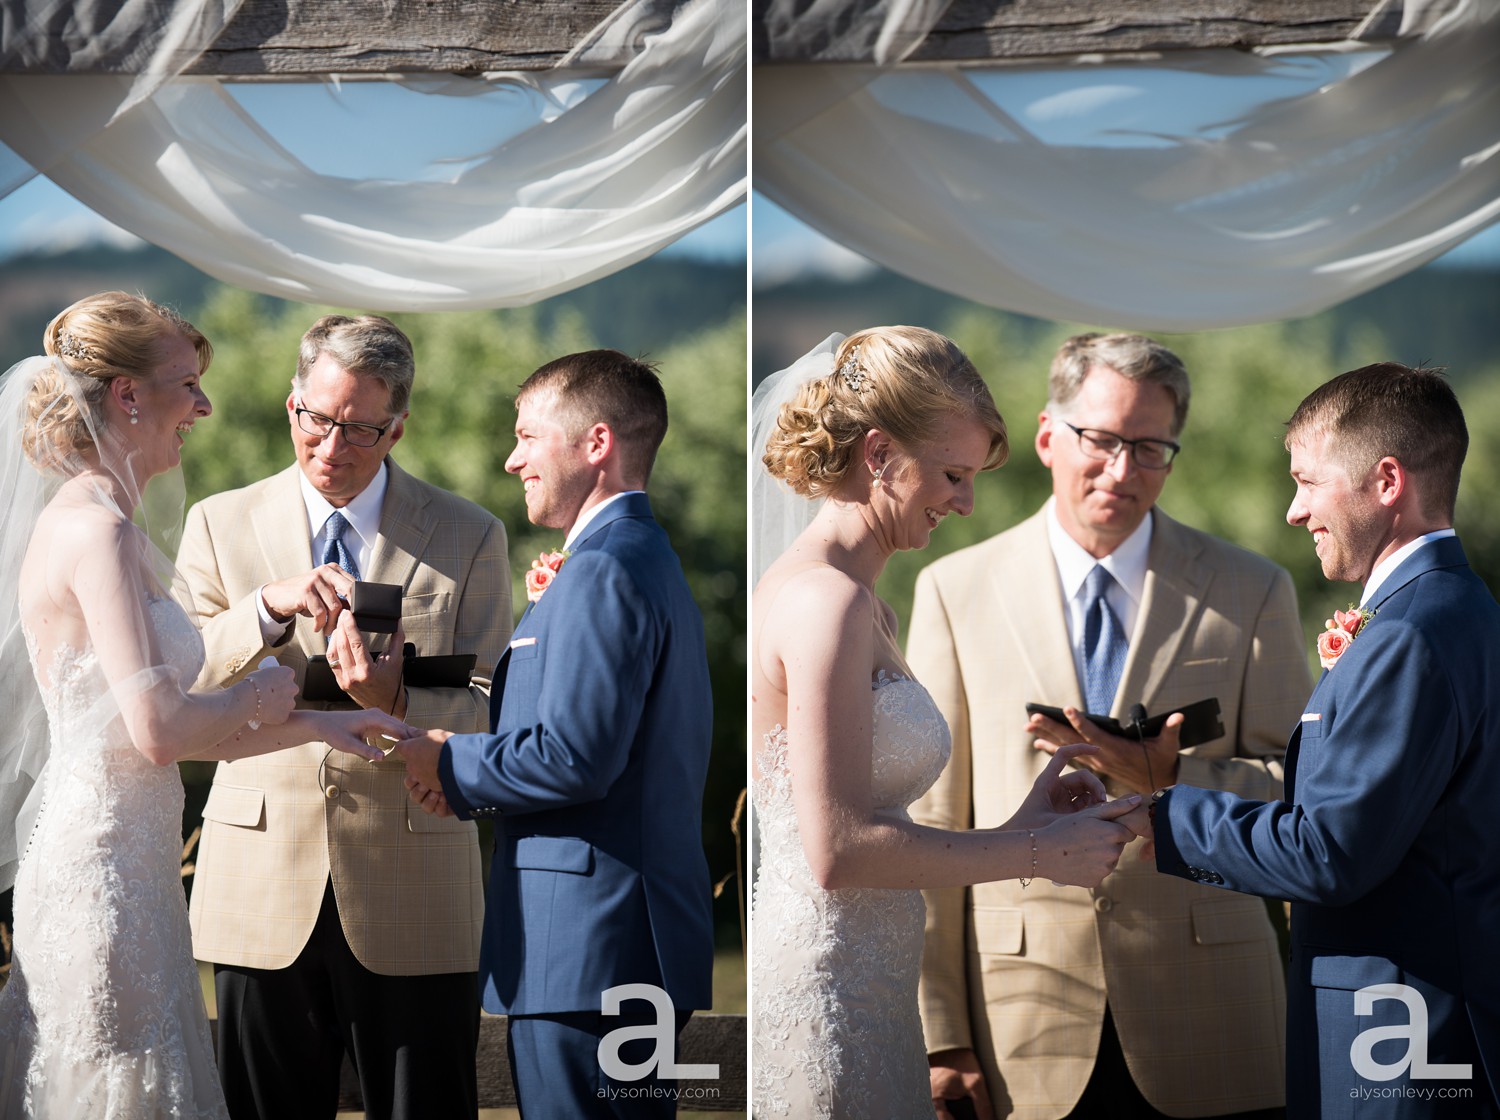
[1015, 30]
[294, 39]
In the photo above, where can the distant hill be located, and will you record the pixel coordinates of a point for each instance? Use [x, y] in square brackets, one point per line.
[641, 309]
[1435, 315]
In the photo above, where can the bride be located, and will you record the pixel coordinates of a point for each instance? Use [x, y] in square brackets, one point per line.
[103, 1015]
[889, 428]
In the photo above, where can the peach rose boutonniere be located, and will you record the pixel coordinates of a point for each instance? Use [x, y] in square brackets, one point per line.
[542, 572]
[1339, 631]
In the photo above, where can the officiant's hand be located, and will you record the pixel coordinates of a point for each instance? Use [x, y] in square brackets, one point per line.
[321, 594]
[421, 754]
[374, 680]
[1119, 758]
[955, 1075]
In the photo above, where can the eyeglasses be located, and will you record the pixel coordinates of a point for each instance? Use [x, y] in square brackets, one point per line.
[360, 435]
[1149, 454]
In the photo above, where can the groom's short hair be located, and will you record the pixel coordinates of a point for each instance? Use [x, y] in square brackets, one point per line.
[606, 386]
[1390, 409]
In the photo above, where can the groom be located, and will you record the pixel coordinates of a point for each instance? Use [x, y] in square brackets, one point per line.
[595, 767]
[1386, 843]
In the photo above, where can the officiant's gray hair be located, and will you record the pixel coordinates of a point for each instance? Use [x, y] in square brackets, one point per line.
[905, 381]
[369, 345]
[1133, 356]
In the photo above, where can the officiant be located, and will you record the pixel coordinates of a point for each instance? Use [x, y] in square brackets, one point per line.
[1152, 995]
[338, 915]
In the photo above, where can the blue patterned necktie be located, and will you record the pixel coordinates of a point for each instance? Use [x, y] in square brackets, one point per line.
[336, 551]
[1104, 644]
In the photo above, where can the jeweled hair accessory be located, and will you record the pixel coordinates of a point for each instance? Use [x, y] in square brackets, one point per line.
[69, 347]
[853, 373]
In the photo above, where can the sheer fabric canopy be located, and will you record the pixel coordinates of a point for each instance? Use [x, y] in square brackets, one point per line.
[1198, 190]
[586, 171]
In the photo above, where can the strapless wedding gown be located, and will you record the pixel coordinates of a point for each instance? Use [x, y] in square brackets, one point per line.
[103, 1017]
[836, 1029]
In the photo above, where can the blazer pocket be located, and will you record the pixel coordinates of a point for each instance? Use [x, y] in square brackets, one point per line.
[236, 805]
[427, 604]
[553, 853]
[524, 650]
[1353, 973]
[999, 931]
[1224, 921]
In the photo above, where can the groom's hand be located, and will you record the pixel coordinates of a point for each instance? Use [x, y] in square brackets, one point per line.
[421, 755]
[1124, 760]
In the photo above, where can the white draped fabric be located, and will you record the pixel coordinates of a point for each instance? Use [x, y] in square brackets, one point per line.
[1199, 190]
[607, 166]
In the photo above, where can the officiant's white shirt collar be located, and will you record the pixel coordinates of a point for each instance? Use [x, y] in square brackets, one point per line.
[1127, 564]
[362, 513]
[1384, 569]
[592, 512]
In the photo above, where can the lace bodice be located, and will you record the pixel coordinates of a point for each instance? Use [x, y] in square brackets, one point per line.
[836, 1030]
[100, 763]
[103, 1015]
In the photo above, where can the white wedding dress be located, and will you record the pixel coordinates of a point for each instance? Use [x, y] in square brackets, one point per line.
[103, 1017]
[836, 1029]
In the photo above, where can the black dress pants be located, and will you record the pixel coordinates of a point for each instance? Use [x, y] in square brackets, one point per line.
[283, 1034]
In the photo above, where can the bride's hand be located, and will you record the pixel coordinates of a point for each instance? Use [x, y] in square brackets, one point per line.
[1081, 849]
[276, 693]
[356, 732]
[1059, 791]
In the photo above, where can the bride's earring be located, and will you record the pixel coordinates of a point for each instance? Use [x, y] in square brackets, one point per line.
[880, 470]
[135, 415]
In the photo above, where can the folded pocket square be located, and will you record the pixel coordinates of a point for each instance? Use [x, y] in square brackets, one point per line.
[519, 642]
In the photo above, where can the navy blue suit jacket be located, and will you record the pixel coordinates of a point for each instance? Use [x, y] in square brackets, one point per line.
[1388, 844]
[594, 774]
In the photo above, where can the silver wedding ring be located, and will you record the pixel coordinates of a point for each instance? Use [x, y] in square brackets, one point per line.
[334, 661]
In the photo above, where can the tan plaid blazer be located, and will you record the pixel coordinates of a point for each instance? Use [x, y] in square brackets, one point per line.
[1193, 974]
[276, 827]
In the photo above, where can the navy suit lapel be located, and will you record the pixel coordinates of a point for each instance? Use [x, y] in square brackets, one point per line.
[634, 504]
[1444, 553]
[629, 505]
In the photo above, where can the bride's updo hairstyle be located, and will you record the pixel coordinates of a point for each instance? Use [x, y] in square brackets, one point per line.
[905, 381]
[99, 338]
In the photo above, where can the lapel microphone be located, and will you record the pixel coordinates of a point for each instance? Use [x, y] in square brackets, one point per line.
[1138, 729]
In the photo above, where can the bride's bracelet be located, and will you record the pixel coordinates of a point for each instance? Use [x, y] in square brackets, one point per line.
[254, 723]
[1026, 879]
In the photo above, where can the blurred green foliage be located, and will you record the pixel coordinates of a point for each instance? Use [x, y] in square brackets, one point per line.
[1231, 478]
[459, 434]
